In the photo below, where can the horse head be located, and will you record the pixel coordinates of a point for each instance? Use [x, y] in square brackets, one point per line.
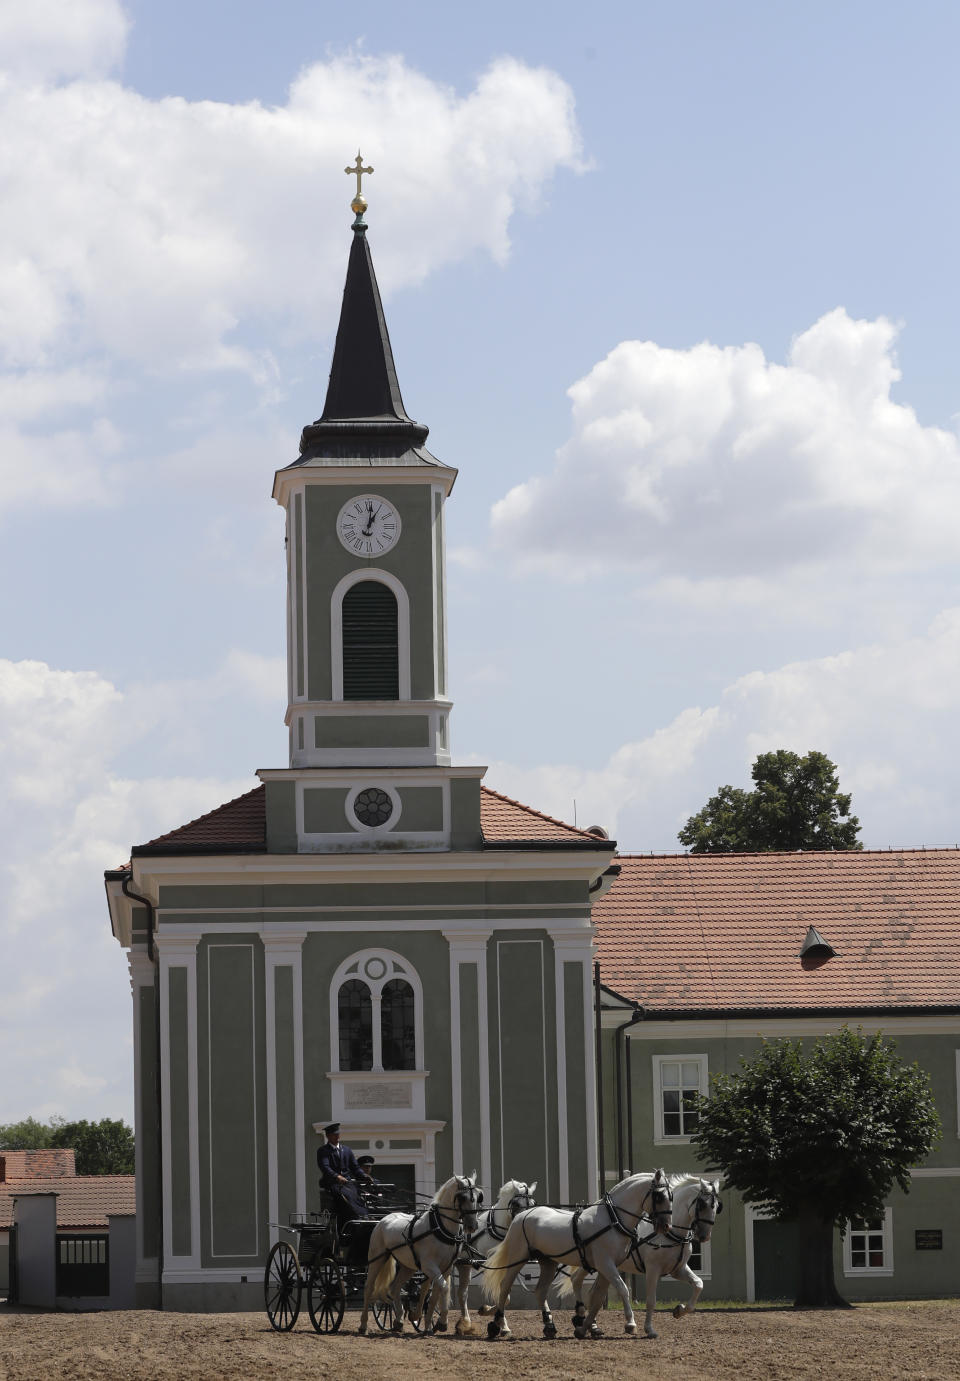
[660, 1206]
[705, 1209]
[468, 1201]
[517, 1196]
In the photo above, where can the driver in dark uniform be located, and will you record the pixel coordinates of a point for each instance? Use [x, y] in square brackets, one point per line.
[340, 1174]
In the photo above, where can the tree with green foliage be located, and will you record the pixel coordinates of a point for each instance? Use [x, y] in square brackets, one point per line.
[796, 803]
[819, 1136]
[103, 1148]
[28, 1135]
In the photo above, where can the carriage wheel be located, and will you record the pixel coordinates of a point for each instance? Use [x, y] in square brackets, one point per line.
[383, 1315]
[413, 1302]
[282, 1286]
[326, 1296]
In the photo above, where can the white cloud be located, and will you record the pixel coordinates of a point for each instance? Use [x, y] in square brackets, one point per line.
[887, 714]
[66, 814]
[715, 464]
[50, 39]
[153, 228]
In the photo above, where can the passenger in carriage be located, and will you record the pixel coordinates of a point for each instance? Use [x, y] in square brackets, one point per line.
[341, 1175]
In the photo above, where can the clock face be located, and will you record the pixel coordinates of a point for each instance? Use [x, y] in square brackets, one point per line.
[368, 526]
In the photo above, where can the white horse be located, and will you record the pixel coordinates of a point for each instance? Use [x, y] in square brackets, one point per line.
[696, 1203]
[514, 1197]
[430, 1241]
[597, 1238]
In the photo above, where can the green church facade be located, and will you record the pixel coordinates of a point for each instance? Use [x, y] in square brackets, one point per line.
[370, 936]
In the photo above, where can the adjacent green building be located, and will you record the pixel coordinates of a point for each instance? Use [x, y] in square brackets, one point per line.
[704, 956]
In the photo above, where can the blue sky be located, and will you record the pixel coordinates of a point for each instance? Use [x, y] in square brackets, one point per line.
[672, 285]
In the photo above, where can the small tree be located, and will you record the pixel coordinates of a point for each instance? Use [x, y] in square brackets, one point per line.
[796, 803]
[103, 1148]
[820, 1136]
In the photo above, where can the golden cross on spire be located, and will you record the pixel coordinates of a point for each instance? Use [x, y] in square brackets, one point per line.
[358, 169]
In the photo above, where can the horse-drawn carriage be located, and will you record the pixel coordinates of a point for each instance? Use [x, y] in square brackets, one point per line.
[397, 1264]
[327, 1261]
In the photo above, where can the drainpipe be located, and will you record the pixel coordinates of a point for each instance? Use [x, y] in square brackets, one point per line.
[601, 1169]
[618, 1039]
[151, 954]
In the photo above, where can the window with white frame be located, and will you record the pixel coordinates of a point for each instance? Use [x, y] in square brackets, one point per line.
[679, 1081]
[868, 1246]
[699, 1259]
[376, 1013]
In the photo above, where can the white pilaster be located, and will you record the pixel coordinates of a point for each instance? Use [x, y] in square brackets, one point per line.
[574, 948]
[470, 947]
[142, 975]
[284, 949]
[178, 949]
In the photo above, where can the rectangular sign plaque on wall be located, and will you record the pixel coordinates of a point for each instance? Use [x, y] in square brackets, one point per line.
[928, 1239]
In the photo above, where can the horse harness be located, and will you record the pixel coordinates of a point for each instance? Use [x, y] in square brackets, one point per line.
[436, 1228]
[581, 1243]
[676, 1237]
[514, 1206]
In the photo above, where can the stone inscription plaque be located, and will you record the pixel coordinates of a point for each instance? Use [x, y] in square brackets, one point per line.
[928, 1239]
[377, 1096]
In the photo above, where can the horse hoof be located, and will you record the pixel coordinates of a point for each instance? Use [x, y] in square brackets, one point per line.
[679, 1312]
[493, 1330]
[630, 1328]
[651, 1333]
[549, 1330]
[580, 1333]
[362, 1329]
[397, 1327]
[485, 1309]
[596, 1332]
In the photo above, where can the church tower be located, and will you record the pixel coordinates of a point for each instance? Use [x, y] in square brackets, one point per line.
[370, 935]
[368, 710]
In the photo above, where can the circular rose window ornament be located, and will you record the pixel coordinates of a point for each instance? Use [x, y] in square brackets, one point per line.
[373, 807]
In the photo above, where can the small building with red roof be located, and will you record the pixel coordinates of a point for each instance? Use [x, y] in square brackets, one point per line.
[703, 956]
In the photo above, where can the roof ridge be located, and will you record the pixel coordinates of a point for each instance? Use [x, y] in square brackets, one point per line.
[531, 810]
[887, 852]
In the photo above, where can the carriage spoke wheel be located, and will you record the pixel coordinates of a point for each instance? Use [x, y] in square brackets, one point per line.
[282, 1286]
[413, 1298]
[383, 1315]
[326, 1296]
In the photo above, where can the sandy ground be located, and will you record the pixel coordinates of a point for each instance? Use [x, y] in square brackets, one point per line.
[889, 1341]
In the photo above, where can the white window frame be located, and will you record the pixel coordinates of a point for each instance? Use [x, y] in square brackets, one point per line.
[886, 1229]
[395, 966]
[660, 1137]
[706, 1265]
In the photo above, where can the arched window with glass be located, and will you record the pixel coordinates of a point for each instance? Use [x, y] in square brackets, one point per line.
[376, 1013]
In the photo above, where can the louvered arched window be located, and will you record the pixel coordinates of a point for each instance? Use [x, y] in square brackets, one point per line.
[371, 662]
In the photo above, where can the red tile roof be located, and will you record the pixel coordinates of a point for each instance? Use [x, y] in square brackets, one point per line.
[47, 1164]
[722, 932]
[82, 1202]
[504, 819]
[240, 827]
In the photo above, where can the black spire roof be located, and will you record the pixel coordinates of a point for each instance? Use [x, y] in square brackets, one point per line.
[364, 413]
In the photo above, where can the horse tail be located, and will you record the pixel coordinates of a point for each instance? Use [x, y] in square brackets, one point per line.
[503, 1256]
[566, 1289]
[384, 1277]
